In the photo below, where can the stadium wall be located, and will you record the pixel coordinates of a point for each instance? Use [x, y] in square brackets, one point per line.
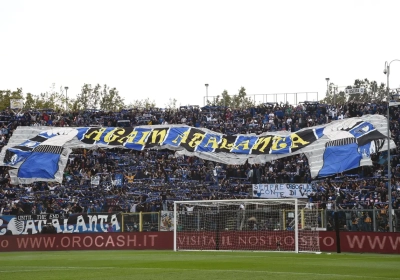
[357, 242]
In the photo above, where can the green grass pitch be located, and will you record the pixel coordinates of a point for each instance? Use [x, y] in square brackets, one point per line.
[162, 265]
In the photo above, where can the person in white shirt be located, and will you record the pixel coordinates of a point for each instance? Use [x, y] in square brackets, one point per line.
[332, 112]
[189, 210]
[133, 207]
[250, 174]
[271, 116]
[52, 188]
[329, 205]
[4, 131]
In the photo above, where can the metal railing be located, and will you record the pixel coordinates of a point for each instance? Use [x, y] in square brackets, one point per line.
[141, 221]
[291, 98]
[376, 220]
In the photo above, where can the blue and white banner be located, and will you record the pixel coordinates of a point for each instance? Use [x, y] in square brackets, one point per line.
[60, 223]
[40, 156]
[119, 180]
[95, 180]
[41, 153]
[282, 190]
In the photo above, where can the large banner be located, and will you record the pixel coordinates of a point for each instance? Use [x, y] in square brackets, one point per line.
[59, 223]
[41, 153]
[282, 190]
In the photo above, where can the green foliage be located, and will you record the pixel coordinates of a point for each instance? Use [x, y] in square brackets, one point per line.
[30, 101]
[171, 104]
[372, 91]
[89, 98]
[97, 97]
[140, 104]
[6, 95]
[54, 100]
[110, 99]
[241, 100]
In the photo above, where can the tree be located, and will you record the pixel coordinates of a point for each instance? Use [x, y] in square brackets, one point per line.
[145, 103]
[380, 93]
[224, 100]
[53, 100]
[241, 100]
[73, 105]
[89, 98]
[333, 95]
[30, 101]
[6, 95]
[171, 104]
[46, 100]
[371, 92]
[110, 99]
[215, 102]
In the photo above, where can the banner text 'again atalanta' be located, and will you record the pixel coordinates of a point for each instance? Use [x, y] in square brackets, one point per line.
[196, 140]
[41, 153]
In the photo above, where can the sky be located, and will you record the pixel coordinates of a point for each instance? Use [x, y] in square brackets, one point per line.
[165, 50]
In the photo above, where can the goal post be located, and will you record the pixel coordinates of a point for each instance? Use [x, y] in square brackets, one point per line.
[287, 225]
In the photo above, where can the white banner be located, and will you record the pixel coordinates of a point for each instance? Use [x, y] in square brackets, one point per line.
[354, 90]
[167, 221]
[95, 180]
[16, 103]
[282, 190]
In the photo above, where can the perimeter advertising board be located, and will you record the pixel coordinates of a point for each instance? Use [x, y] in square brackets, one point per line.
[357, 242]
[87, 241]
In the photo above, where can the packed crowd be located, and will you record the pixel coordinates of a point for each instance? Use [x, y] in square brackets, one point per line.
[149, 181]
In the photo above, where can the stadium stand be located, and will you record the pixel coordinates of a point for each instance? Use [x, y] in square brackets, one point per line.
[118, 180]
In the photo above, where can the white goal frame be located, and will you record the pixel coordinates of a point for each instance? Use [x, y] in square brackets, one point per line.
[308, 231]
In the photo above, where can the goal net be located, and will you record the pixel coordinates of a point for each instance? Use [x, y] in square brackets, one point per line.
[247, 224]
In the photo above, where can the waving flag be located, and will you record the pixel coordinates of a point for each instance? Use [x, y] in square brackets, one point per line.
[40, 158]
